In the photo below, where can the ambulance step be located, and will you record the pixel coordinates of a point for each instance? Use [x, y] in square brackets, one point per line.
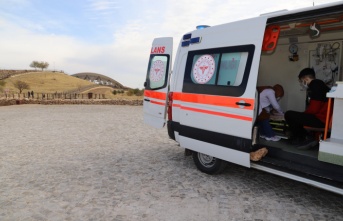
[303, 164]
[317, 178]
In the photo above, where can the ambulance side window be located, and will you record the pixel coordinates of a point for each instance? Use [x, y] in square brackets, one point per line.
[220, 71]
[157, 74]
[232, 67]
[204, 69]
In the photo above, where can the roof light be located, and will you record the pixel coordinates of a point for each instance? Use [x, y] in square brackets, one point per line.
[202, 27]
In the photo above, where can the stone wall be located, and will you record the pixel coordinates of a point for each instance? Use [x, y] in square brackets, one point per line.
[5, 102]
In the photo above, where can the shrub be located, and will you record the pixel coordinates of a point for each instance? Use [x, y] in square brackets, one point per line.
[2, 85]
[129, 92]
[135, 91]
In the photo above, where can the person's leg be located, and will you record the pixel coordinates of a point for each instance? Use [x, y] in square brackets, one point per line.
[260, 129]
[295, 124]
[266, 129]
[297, 120]
[311, 121]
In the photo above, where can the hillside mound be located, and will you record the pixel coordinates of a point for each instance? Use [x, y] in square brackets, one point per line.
[107, 91]
[46, 82]
[99, 79]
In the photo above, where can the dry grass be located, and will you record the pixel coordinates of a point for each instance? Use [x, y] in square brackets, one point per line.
[46, 82]
[109, 95]
[51, 82]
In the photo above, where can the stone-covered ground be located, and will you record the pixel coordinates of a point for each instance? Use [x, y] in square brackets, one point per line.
[100, 162]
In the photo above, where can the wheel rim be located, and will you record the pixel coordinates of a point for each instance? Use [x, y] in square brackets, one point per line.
[206, 160]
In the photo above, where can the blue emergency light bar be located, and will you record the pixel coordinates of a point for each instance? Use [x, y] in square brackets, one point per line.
[202, 27]
[188, 40]
[191, 41]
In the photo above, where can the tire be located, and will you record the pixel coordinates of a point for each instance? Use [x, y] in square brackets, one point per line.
[208, 164]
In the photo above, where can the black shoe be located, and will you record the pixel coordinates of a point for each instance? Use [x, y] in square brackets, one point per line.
[307, 144]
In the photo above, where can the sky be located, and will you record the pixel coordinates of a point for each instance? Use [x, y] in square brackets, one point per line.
[111, 37]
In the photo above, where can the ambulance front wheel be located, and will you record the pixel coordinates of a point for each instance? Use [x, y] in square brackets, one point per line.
[208, 164]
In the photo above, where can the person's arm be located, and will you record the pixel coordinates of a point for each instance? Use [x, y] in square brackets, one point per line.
[273, 101]
[317, 96]
[318, 90]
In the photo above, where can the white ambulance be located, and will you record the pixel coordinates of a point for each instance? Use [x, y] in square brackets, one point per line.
[210, 110]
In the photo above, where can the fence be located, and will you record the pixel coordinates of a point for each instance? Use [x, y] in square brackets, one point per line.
[52, 96]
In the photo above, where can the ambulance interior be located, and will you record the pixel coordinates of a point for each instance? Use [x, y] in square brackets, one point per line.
[315, 43]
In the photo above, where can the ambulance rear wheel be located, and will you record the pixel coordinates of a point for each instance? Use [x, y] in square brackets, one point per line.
[208, 164]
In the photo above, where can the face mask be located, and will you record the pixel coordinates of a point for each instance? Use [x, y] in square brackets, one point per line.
[304, 85]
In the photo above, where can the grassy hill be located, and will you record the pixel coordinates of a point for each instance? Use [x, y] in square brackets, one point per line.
[46, 82]
[107, 91]
[51, 82]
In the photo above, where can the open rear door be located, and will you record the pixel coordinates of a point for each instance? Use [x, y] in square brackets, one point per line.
[157, 82]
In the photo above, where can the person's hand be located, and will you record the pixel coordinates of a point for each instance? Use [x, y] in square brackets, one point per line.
[277, 113]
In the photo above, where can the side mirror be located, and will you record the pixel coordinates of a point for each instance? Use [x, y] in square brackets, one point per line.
[145, 84]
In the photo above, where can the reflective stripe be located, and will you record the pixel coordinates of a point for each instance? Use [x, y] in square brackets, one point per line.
[204, 99]
[217, 113]
[214, 100]
[158, 103]
[155, 94]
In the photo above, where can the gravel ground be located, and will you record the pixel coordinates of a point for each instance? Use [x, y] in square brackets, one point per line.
[77, 162]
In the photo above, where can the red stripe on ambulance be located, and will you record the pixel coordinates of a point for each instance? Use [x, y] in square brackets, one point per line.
[223, 101]
[155, 94]
[217, 113]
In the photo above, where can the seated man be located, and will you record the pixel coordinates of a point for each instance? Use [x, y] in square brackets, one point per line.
[315, 113]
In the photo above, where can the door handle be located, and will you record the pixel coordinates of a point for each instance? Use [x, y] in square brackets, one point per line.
[243, 104]
[147, 100]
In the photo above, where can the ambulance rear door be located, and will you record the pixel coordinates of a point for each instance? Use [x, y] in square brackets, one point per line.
[157, 82]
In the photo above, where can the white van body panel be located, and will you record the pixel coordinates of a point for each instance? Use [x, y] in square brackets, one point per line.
[216, 123]
[219, 152]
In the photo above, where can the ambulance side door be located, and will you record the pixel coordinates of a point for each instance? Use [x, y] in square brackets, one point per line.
[219, 88]
[157, 82]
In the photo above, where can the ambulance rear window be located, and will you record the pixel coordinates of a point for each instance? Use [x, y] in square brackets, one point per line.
[222, 71]
[157, 71]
